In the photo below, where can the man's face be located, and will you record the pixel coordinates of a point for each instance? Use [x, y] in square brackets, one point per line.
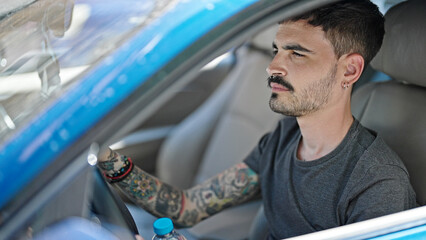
[303, 71]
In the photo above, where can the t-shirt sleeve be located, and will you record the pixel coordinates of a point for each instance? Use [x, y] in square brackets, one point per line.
[253, 159]
[384, 190]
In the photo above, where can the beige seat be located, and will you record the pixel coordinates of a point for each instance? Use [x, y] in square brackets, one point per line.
[396, 109]
[221, 133]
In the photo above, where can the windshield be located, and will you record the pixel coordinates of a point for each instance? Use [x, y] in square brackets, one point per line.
[44, 46]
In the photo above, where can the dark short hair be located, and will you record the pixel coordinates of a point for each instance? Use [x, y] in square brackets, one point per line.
[352, 26]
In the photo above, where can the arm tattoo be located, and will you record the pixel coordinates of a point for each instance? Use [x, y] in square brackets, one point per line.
[235, 185]
[107, 165]
[186, 208]
[189, 218]
[158, 198]
[114, 162]
[169, 201]
[147, 191]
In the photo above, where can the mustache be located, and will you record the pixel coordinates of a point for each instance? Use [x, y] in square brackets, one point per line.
[280, 80]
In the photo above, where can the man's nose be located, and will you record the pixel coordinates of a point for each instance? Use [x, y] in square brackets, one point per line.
[276, 67]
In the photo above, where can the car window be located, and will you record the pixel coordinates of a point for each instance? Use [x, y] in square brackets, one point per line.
[45, 45]
[384, 5]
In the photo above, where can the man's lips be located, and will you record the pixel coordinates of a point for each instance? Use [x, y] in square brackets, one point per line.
[278, 87]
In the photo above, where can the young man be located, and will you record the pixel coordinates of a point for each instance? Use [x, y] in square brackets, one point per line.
[320, 168]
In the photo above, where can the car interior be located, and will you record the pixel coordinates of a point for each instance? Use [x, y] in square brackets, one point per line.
[215, 120]
[219, 133]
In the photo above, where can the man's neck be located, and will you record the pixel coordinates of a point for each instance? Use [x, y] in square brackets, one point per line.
[322, 132]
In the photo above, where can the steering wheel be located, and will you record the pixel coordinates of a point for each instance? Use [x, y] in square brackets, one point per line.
[108, 207]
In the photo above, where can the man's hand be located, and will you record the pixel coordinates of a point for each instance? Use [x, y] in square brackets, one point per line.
[115, 167]
[104, 154]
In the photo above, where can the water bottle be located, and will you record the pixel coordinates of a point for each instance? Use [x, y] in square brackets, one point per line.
[163, 229]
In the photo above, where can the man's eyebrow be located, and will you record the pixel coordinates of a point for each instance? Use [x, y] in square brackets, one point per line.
[296, 47]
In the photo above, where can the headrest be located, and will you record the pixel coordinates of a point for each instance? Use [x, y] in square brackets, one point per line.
[264, 39]
[403, 53]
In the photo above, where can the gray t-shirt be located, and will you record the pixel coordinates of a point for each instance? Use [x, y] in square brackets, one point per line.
[361, 179]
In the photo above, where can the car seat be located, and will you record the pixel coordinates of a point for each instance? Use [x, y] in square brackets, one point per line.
[396, 109]
[221, 133]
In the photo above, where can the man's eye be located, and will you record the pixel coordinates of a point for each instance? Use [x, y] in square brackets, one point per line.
[298, 54]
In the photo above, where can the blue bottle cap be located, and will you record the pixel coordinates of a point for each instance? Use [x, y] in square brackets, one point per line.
[163, 226]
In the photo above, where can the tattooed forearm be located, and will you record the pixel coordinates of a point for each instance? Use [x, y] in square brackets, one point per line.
[169, 201]
[155, 197]
[147, 191]
[234, 186]
[189, 218]
[140, 185]
[186, 208]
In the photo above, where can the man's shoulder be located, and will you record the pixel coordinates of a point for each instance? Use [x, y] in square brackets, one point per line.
[378, 162]
[375, 160]
[378, 152]
[378, 170]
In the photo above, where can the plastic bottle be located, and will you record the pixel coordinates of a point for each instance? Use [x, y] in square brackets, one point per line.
[164, 230]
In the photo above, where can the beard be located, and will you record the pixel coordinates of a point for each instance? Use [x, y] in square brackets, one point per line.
[305, 101]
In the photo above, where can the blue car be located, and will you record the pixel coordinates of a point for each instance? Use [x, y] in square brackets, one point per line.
[180, 86]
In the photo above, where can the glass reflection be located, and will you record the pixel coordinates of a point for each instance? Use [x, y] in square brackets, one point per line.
[46, 44]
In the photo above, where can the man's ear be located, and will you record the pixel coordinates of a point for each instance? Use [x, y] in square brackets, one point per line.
[354, 65]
